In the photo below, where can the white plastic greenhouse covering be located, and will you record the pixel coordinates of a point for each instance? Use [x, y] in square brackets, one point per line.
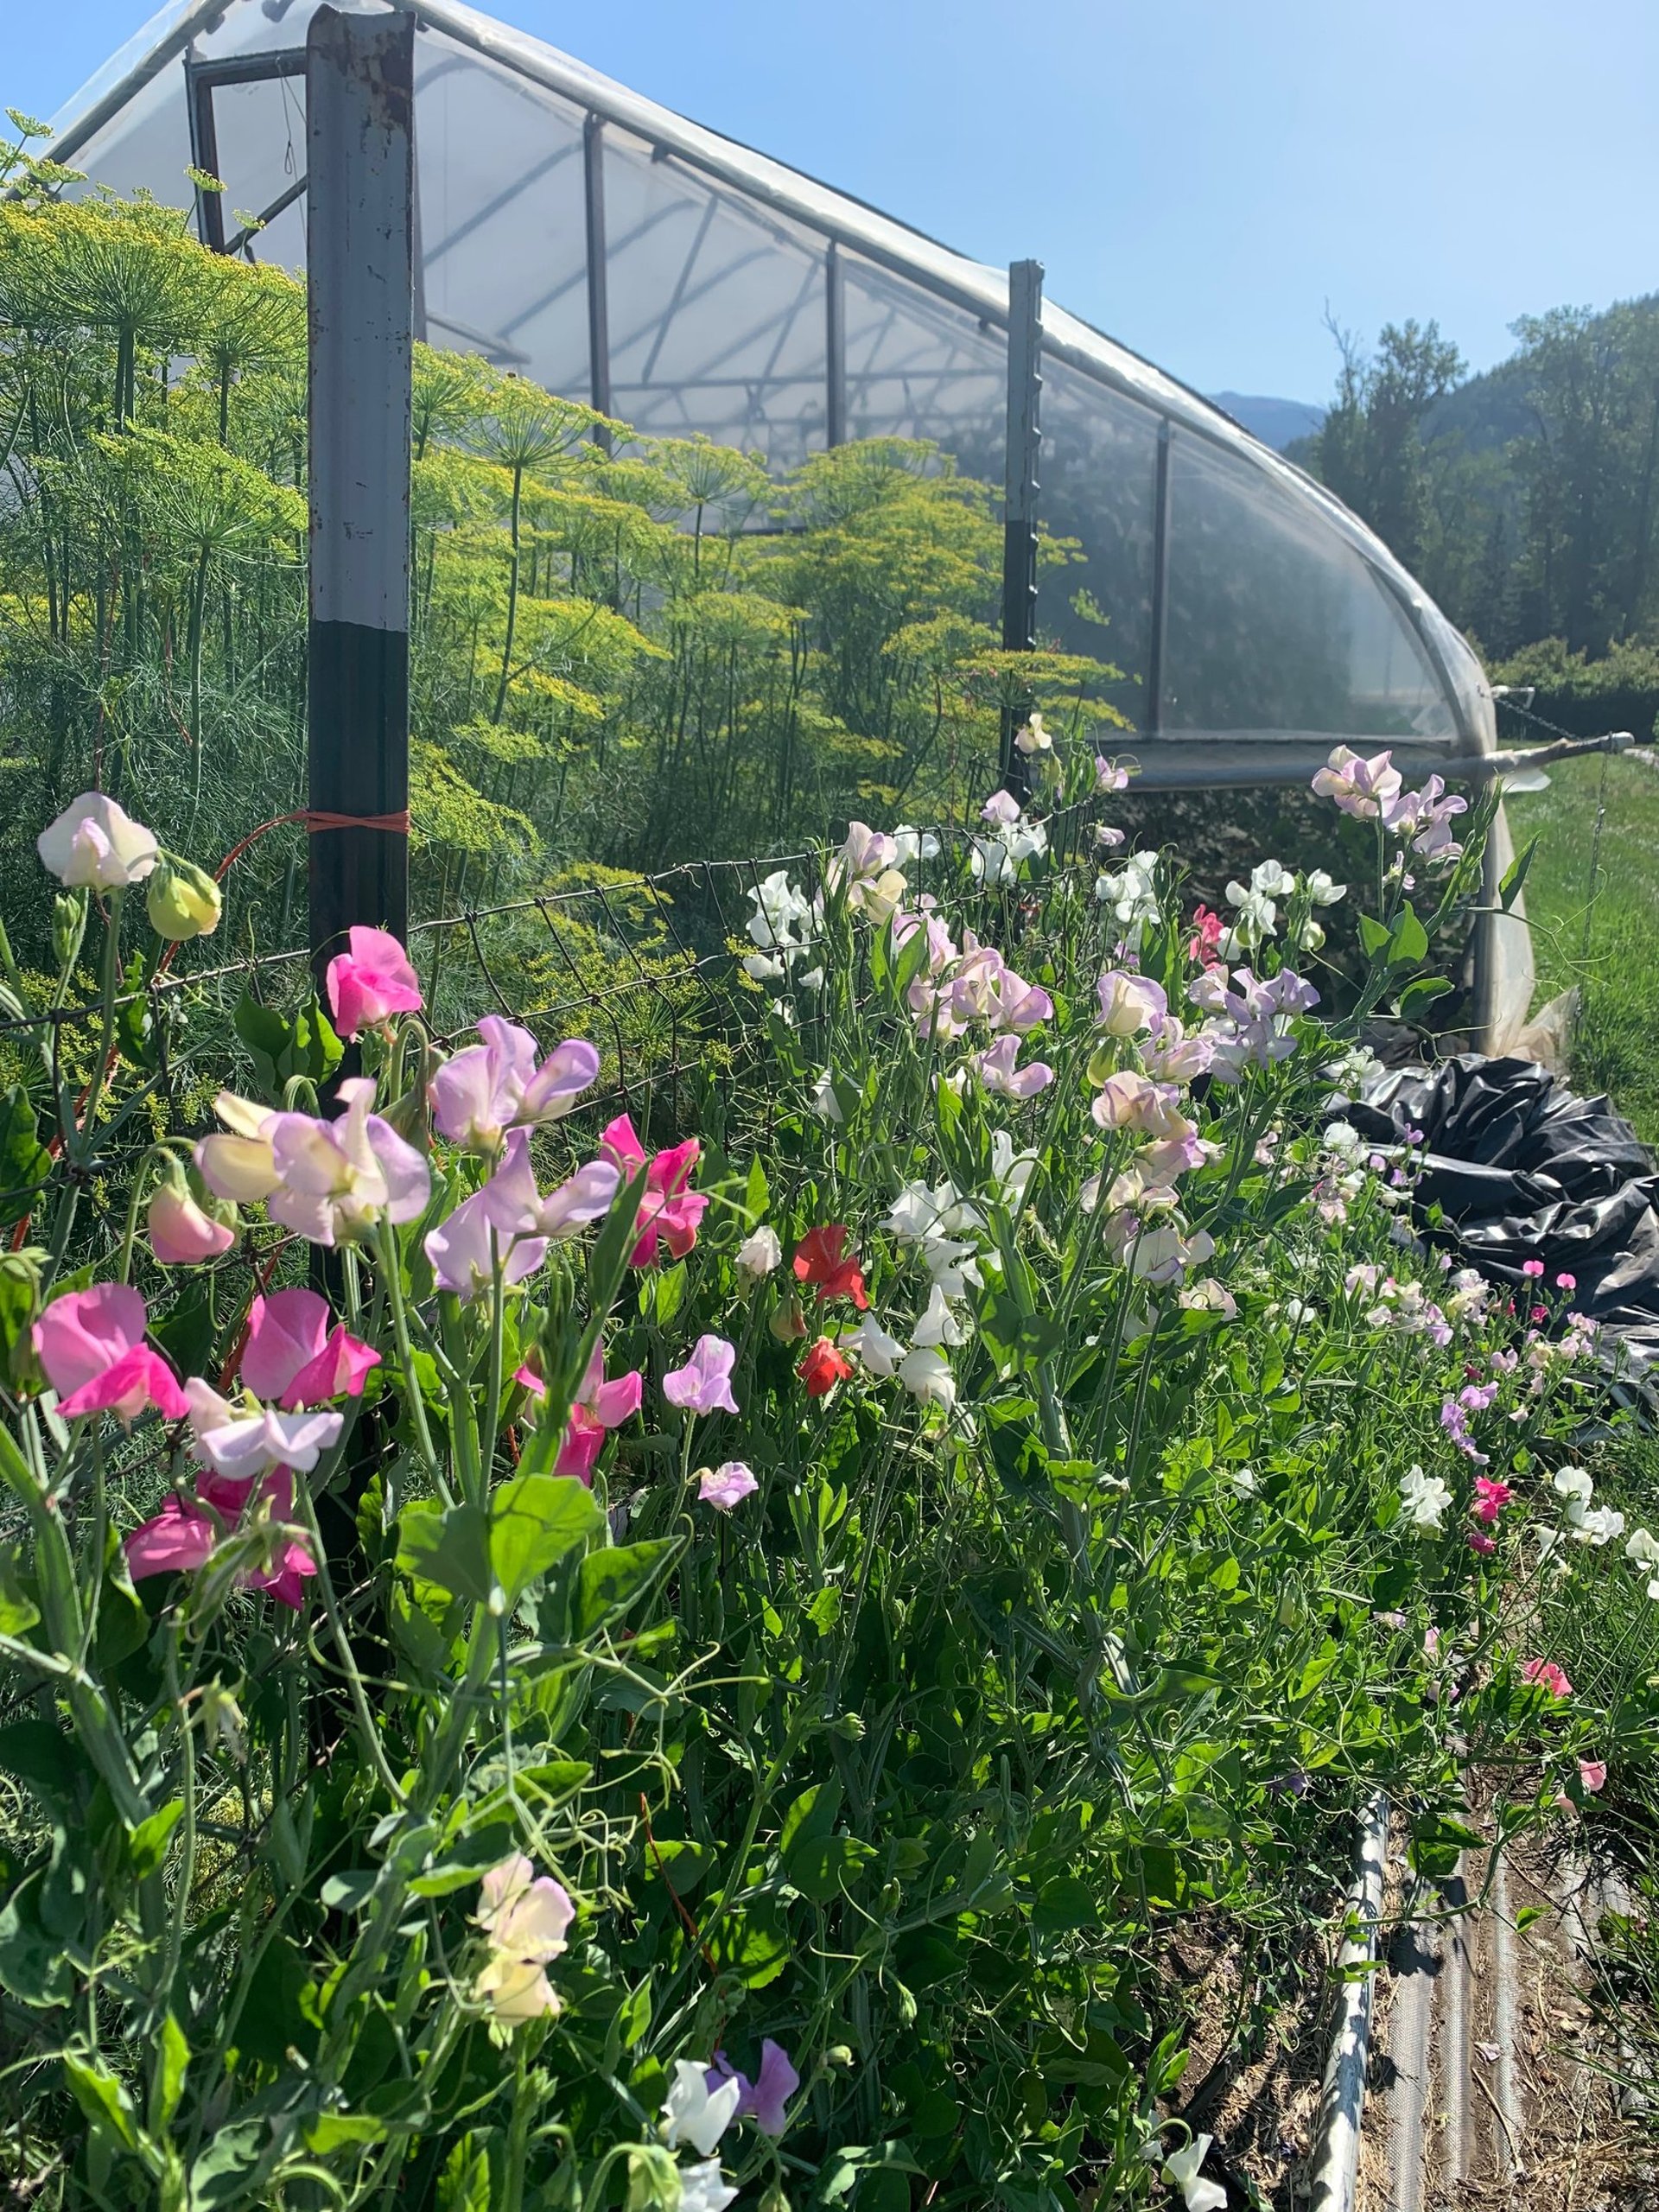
[741, 299]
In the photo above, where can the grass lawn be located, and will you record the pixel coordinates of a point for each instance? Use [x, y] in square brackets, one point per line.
[1612, 952]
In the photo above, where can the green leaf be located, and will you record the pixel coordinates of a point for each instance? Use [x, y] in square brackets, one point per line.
[1373, 936]
[170, 2079]
[33, 1966]
[819, 1865]
[218, 2175]
[609, 1581]
[1417, 996]
[282, 1047]
[811, 1815]
[534, 1520]
[464, 2184]
[351, 1891]
[757, 1193]
[103, 2098]
[329, 2131]
[1409, 943]
[753, 1943]
[18, 1611]
[1515, 875]
[448, 1547]
[1065, 1903]
[147, 1845]
[25, 1162]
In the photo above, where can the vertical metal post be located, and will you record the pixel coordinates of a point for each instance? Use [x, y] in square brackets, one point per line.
[1154, 709]
[834, 347]
[360, 99]
[204, 157]
[1019, 509]
[599, 307]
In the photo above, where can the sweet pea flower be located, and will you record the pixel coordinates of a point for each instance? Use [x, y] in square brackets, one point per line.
[240, 1167]
[517, 1208]
[1533, 1269]
[820, 1258]
[669, 1212]
[703, 1385]
[823, 1367]
[699, 2108]
[90, 1346]
[94, 845]
[240, 1440]
[704, 2188]
[525, 1917]
[1130, 1005]
[758, 1254]
[1181, 2170]
[335, 1179]
[724, 1486]
[468, 1248]
[873, 1348]
[1031, 737]
[371, 982]
[765, 2099]
[1592, 1775]
[1129, 1100]
[1002, 809]
[1490, 1498]
[183, 901]
[292, 1355]
[1423, 1500]
[1545, 1674]
[926, 1373]
[181, 1233]
[996, 1069]
[184, 1536]
[1361, 788]
[479, 1094]
[600, 1407]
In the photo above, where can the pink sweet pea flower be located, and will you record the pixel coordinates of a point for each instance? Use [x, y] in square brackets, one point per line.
[336, 1178]
[703, 1385]
[1483, 1544]
[600, 1407]
[723, 1487]
[291, 1354]
[1490, 1498]
[91, 1344]
[184, 1536]
[371, 982]
[765, 2099]
[1592, 1775]
[1547, 1675]
[996, 1069]
[465, 1249]
[181, 1233]
[669, 1212]
[1362, 788]
[1533, 1269]
[478, 1095]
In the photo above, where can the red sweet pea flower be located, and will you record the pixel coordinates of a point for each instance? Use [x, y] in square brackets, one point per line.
[819, 1259]
[822, 1367]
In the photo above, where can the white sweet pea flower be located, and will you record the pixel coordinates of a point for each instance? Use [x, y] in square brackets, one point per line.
[825, 1104]
[912, 845]
[877, 1352]
[695, 2114]
[1181, 2171]
[938, 1324]
[704, 2188]
[926, 1374]
[1642, 1549]
[1319, 887]
[758, 1254]
[1574, 1483]
[1594, 1524]
[1424, 1500]
[96, 846]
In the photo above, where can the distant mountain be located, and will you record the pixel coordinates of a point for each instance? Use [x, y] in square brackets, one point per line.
[1277, 423]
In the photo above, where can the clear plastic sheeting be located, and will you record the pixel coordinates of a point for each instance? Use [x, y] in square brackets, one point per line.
[1265, 605]
[746, 301]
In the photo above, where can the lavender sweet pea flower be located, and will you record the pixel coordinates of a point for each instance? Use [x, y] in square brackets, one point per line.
[478, 1095]
[240, 1441]
[512, 1202]
[465, 1250]
[703, 1385]
[996, 1069]
[1130, 1004]
[766, 2098]
[335, 1178]
[724, 1486]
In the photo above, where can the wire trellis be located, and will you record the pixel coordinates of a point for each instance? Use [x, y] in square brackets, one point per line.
[648, 966]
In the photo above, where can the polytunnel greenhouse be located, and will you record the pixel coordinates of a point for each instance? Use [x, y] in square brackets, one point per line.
[615, 252]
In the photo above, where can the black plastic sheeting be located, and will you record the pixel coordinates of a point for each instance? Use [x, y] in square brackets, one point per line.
[1522, 1169]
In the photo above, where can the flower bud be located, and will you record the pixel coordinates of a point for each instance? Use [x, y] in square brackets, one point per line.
[183, 900]
[182, 1232]
[788, 1323]
[68, 926]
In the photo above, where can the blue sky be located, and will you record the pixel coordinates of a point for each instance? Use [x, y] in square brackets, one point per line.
[1199, 177]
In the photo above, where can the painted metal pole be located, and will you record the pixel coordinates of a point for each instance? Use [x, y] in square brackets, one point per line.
[834, 348]
[599, 295]
[360, 100]
[1024, 444]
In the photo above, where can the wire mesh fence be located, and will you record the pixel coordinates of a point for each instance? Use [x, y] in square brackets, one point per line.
[650, 968]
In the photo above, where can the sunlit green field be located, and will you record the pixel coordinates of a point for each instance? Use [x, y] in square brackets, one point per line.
[1608, 944]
